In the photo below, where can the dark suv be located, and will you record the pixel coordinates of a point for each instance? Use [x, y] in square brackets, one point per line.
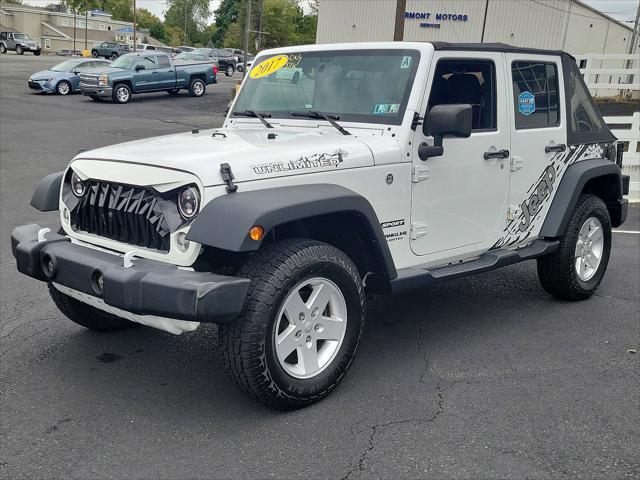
[110, 50]
[226, 60]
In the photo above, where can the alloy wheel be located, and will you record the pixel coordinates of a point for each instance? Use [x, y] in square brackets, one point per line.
[589, 249]
[310, 327]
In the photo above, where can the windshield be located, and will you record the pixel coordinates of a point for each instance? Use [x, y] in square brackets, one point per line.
[125, 61]
[370, 86]
[190, 56]
[65, 66]
[21, 36]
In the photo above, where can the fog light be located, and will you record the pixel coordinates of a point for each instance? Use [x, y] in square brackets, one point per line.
[48, 266]
[182, 242]
[97, 282]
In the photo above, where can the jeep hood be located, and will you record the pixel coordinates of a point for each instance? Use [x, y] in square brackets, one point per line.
[250, 152]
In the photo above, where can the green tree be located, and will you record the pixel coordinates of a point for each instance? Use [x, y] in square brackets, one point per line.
[226, 15]
[189, 15]
[119, 9]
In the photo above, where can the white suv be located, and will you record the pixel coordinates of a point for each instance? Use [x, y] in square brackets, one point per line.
[340, 171]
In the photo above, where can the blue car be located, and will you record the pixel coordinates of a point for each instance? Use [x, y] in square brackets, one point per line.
[64, 78]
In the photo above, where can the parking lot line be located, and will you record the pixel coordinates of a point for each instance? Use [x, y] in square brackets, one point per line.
[626, 231]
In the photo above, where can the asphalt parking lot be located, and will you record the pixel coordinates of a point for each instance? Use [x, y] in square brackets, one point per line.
[484, 377]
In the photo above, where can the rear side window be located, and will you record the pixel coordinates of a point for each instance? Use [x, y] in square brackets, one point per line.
[163, 61]
[535, 94]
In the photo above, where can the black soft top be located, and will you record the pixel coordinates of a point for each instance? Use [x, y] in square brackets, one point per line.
[584, 121]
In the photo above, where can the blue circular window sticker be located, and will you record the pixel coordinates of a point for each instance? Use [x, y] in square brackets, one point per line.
[526, 103]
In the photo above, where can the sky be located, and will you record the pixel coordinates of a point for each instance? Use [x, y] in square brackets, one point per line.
[623, 10]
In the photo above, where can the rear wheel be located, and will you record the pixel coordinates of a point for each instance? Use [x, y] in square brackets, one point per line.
[94, 54]
[121, 93]
[63, 88]
[301, 324]
[113, 56]
[37, 53]
[3, 48]
[19, 50]
[197, 87]
[574, 271]
[86, 315]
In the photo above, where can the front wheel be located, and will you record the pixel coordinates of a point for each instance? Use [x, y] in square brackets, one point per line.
[19, 50]
[197, 88]
[121, 93]
[301, 324]
[3, 48]
[574, 271]
[113, 56]
[63, 88]
[86, 315]
[37, 53]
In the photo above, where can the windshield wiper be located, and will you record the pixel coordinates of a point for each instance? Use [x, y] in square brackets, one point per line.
[322, 116]
[253, 114]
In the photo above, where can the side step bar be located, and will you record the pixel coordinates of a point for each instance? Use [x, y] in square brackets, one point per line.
[413, 277]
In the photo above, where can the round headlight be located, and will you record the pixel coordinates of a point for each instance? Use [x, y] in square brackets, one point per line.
[188, 202]
[77, 185]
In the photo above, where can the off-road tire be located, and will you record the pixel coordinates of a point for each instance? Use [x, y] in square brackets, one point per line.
[117, 87]
[557, 272]
[197, 87]
[3, 48]
[19, 50]
[60, 88]
[246, 343]
[86, 315]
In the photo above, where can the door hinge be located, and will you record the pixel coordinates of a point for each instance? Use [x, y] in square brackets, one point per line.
[420, 172]
[516, 163]
[418, 229]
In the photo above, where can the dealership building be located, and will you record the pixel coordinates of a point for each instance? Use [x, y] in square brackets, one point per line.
[569, 25]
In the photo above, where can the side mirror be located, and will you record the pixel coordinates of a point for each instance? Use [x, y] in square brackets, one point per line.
[140, 67]
[446, 121]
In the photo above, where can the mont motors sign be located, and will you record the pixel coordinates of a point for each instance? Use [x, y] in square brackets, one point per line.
[436, 19]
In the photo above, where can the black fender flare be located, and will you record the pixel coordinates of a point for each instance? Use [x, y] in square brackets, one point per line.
[225, 221]
[573, 184]
[46, 196]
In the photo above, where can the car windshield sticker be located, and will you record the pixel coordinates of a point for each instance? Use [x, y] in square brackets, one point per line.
[383, 108]
[269, 66]
[406, 62]
[526, 103]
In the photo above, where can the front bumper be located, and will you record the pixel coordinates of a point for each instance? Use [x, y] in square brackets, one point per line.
[41, 86]
[148, 287]
[95, 90]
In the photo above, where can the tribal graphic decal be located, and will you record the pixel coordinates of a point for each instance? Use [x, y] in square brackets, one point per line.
[528, 218]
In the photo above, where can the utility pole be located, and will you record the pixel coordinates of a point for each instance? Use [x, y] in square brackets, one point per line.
[134, 25]
[398, 31]
[185, 21]
[74, 31]
[632, 45]
[86, 25]
[259, 45]
[246, 38]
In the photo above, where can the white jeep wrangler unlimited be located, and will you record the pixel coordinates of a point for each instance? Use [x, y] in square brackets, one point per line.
[340, 171]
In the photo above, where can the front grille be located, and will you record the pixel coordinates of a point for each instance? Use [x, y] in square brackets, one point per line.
[132, 215]
[89, 79]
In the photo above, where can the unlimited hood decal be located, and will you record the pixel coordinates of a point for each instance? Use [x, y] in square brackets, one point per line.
[315, 160]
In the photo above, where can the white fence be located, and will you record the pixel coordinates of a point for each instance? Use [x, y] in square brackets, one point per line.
[606, 74]
[630, 134]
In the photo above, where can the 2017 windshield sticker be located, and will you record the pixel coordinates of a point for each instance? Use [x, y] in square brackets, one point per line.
[526, 103]
[317, 160]
[383, 108]
[268, 66]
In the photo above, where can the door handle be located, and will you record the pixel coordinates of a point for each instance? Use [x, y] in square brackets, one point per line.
[555, 148]
[499, 154]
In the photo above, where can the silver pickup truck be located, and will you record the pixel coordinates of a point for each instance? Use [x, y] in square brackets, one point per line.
[146, 72]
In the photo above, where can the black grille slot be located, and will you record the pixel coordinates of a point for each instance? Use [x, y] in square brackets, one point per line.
[127, 214]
